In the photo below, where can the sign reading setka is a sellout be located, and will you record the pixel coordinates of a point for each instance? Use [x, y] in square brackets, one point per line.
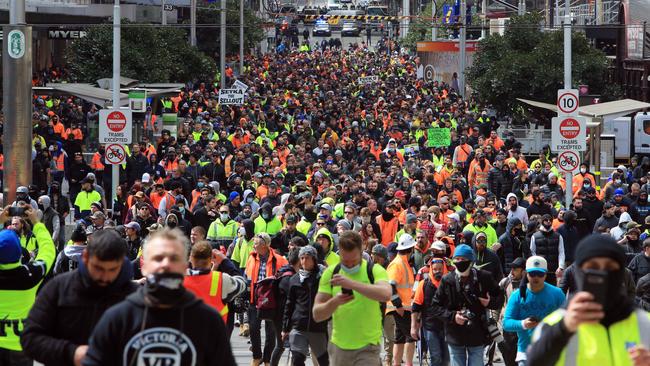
[231, 96]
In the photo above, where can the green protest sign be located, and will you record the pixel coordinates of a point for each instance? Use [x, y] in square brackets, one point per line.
[438, 137]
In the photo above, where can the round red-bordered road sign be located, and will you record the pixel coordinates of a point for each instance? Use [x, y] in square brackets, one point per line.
[569, 128]
[567, 103]
[115, 154]
[568, 161]
[116, 121]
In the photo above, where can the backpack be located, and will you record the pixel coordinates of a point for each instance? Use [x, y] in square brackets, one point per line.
[267, 294]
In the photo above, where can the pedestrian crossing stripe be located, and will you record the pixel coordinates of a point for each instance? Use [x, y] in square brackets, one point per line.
[352, 17]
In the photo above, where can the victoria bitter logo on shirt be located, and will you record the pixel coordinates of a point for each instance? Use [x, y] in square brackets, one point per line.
[159, 346]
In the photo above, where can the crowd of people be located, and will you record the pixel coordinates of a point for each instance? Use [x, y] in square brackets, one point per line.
[319, 215]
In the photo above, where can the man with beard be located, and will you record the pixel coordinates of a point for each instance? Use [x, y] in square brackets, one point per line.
[78, 298]
[570, 235]
[152, 315]
[516, 211]
[486, 259]
[539, 207]
[593, 206]
[548, 244]
[582, 223]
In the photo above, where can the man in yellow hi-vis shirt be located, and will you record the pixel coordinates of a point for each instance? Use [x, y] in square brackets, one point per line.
[18, 284]
[601, 325]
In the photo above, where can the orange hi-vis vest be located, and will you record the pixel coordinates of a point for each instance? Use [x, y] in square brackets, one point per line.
[208, 287]
[60, 162]
[96, 162]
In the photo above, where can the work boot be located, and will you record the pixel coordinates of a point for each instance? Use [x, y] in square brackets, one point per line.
[256, 362]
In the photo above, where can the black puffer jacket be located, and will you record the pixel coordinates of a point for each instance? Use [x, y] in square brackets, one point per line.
[66, 312]
[300, 300]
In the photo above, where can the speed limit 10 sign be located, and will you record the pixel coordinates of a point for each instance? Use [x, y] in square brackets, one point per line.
[567, 102]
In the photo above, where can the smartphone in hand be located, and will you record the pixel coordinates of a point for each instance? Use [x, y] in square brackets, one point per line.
[595, 282]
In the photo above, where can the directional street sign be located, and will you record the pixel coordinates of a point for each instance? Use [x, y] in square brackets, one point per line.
[568, 161]
[569, 133]
[567, 102]
[115, 154]
[115, 126]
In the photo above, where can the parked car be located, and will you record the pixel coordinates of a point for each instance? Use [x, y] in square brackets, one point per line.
[322, 29]
[351, 28]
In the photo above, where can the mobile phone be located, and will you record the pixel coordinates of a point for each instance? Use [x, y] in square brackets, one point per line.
[16, 211]
[595, 282]
[346, 291]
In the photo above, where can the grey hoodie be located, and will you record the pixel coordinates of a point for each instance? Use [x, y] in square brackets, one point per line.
[519, 213]
[68, 260]
[254, 205]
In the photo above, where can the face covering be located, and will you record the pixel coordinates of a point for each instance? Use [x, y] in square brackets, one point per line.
[171, 224]
[583, 170]
[200, 185]
[224, 217]
[303, 274]
[351, 270]
[617, 181]
[266, 215]
[241, 231]
[437, 276]
[462, 268]
[249, 199]
[164, 288]
[41, 207]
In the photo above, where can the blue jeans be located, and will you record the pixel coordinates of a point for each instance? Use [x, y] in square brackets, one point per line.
[438, 352]
[466, 356]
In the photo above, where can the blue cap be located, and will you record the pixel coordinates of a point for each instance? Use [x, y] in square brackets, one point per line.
[619, 192]
[10, 251]
[464, 251]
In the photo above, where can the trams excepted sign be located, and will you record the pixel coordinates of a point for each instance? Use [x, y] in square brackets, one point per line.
[115, 154]
[568, 161]
[115, 126]
[569, 134]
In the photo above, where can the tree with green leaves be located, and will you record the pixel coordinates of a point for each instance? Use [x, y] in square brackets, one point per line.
[527, 62]
[208, 37]
[148, 53]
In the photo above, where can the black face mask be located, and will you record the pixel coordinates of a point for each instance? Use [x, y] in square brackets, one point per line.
[462, 266]
[164, 288]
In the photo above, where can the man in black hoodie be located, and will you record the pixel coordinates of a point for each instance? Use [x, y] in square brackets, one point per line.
[511, 244]
[161, 323]
[70, 305]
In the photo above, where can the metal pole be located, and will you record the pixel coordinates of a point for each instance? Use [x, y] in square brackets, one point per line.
[193, 23]
[434, 28]
[222, 48]
[521, 9]
[17, 96]
[485, 19]
[116, 85]
[241, 37]
[164, 13]
[567, 84]
[406, 11]
[461, 44]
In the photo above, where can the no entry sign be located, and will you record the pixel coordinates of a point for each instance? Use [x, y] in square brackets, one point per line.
[115, 154]
[569, 128]
[568, 161]
[569, 134]
[115, 126]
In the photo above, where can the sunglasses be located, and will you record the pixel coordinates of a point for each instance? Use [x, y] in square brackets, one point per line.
[349, 212]
[320, 223]
[537, 274]
[224, 212]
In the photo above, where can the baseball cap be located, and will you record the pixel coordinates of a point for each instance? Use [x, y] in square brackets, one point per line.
[632, 225]
[380, 250]
[518, 263]
[22, 189]
[439, 245]
[536, 264]
[133, 225]
[139, 194]
[410, 218]
[326, 206]
[98, 215]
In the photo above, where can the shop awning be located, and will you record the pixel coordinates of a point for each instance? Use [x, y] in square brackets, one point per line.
[608, 109]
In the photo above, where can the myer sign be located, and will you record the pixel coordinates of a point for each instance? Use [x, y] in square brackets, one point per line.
[65, 34]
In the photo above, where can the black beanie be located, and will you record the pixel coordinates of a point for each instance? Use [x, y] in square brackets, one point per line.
[599, 245]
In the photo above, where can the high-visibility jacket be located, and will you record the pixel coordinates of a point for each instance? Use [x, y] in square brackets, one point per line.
[401, 274]
[60, 162]
[96, 162]
[222, 233]
[209, 288]
[16, 304]
[242, 250]
[594, 344]
[476, 175]
[156, 198]
[388, 229]
[271, 227]
[274, 262]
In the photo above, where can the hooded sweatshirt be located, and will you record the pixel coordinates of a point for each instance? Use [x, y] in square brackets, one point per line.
[254, 205]
[618, 231]
[69, 258]
[131, 332]
[330, 258]
[519, 213]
